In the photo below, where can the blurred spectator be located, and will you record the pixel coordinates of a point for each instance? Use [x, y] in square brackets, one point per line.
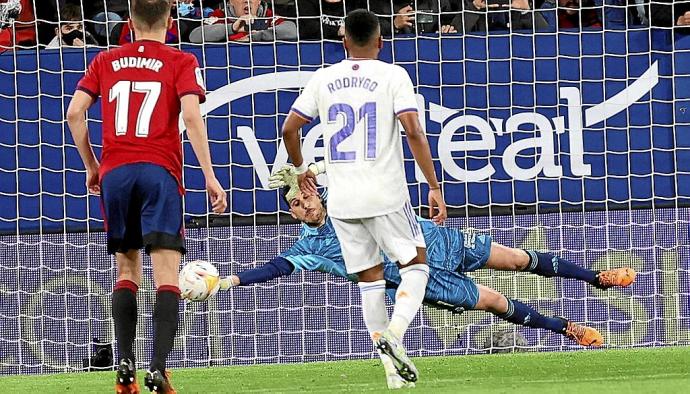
[286, 8]
[19, 27]
[188, 15]
[196, 9]
[618, 14]
[577, 14]
[71, 32]
[639, 9]
[106, 27]
[667, 13]
[418, 16]
[46, 20]
[95, 7]
[244, 20]
[487, 15]
[106, 18]
[572, 14]
[323, 19]
[9, 12]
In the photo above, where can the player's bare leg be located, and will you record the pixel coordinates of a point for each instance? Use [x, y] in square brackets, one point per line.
[166, 264]
[503, 258]
[129, 272]
[518, 313]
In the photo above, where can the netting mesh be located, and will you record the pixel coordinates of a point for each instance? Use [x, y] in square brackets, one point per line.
[571, 141]
[48, 323]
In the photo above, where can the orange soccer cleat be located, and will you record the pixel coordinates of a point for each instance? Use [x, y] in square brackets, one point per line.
[585, 336]
[622, 277]
[159, 383]
[126, 380]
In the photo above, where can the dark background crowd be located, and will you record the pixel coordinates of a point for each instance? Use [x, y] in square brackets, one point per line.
[74, 23]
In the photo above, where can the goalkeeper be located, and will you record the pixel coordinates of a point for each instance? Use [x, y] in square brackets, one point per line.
[450, 254]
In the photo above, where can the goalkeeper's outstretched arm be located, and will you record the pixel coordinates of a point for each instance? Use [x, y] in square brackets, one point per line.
[275, 268]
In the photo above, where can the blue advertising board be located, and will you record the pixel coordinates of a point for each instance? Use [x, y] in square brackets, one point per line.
[552, 119]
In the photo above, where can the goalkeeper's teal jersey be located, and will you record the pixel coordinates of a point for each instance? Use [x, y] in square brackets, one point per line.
[450, 252]
[318, 249]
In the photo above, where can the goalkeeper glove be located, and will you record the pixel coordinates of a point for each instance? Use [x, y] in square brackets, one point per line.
[287, 176]
[318, 168]
[228, 282]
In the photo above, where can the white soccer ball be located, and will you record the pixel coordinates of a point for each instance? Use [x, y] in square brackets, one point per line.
[199, 280]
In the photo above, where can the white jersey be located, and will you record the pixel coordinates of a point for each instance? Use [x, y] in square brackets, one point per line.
[358, 101]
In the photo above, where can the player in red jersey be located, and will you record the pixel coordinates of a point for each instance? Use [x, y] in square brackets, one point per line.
[144, 86]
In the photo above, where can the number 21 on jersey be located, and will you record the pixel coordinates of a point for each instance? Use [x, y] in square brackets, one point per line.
[121, 91]
[366, 113]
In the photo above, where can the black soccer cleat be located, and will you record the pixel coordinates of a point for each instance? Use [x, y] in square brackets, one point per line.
[391, 346]
[158, 382]
[126, 378]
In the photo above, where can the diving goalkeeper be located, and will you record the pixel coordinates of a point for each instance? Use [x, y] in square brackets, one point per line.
[450, 253]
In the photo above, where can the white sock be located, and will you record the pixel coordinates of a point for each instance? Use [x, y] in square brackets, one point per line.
[409, 297]
[374, 306]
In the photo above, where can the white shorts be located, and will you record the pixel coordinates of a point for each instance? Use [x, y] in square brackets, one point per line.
[397, 234]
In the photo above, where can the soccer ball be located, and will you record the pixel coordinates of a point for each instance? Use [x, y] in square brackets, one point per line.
[199, 280]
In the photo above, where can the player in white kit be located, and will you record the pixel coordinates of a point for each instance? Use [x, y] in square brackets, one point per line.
[359, 102]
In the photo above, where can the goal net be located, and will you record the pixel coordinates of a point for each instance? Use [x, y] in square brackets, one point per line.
[573, 141]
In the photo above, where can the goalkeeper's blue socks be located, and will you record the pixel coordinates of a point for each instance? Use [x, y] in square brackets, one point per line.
[525, 315]
[549, 265]
[125, 317]
[165, 319]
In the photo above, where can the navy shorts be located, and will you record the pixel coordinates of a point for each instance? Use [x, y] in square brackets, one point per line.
[142, 207]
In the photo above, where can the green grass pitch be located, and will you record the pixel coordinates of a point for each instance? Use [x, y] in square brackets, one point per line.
[665, 370]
